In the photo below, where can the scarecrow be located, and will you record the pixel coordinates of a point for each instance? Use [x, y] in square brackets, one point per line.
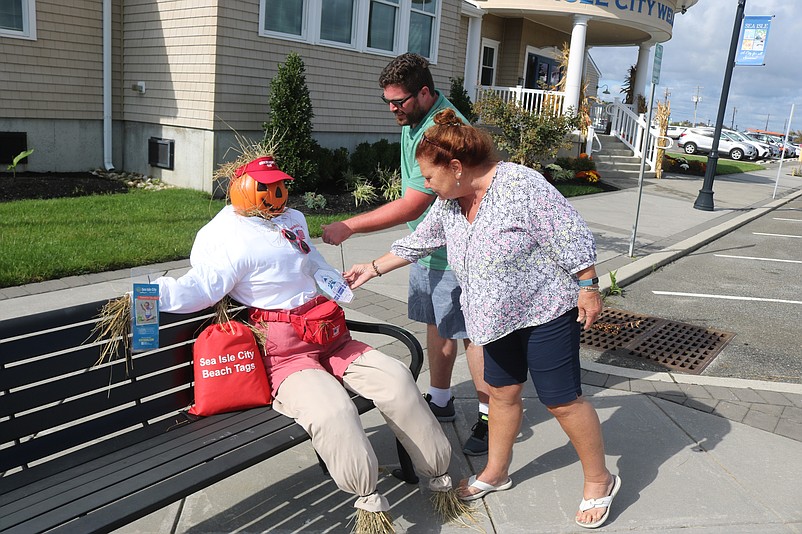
[256, 251]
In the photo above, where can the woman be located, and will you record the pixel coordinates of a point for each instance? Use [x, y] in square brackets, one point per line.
[525, 261]
[256, 251]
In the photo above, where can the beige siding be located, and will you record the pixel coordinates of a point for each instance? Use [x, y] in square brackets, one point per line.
[170, 45]
[343, 84]
[59, 75]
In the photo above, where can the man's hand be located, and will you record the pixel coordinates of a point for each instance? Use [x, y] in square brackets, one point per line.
[358, 274]
[590, 307]
[336, 232]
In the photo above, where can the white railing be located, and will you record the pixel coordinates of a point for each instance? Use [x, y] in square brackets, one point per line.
[629, 128]
[533, 100]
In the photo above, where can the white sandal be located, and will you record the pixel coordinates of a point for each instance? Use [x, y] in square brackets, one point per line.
[484, 488]
[602, 502]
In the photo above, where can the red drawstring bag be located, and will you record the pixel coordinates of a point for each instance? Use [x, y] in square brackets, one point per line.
[229, 373]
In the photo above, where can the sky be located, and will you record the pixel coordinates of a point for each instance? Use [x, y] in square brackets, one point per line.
[695, 60]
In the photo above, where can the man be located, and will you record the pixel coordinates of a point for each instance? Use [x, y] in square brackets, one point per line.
[434, 294]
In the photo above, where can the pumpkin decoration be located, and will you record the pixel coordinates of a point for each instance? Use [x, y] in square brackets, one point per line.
[259, 188]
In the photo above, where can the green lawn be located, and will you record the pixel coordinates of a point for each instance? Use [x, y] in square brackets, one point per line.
[47, 239]
[724, 165]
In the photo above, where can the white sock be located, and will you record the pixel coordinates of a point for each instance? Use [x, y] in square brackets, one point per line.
[440, 396]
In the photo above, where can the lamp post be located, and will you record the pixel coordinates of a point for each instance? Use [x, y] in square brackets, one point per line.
[705, 199]
[606, 89]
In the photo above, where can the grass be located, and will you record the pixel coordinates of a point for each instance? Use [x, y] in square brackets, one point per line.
[724, 165]
[48, 239]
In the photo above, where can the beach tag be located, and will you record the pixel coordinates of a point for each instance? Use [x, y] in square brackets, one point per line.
[333, 285]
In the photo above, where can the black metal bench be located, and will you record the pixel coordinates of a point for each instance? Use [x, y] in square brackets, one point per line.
[90, 448]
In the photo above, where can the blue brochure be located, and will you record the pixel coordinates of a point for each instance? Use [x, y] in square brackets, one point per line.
[145, 317]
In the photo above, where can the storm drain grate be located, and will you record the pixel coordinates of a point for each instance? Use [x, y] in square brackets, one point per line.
[681, 347]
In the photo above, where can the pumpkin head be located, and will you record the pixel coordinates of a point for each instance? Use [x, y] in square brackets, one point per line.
[258, 188]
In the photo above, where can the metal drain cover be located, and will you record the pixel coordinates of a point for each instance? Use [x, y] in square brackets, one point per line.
[680, 347]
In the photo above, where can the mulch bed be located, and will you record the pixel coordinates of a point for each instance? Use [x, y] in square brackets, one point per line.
[56, 185]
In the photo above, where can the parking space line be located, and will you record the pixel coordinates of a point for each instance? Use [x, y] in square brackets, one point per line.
[724, 297]
[777, 235]
[784, 219]
[754, 258]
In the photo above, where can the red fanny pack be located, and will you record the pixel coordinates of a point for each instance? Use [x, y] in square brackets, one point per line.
[321, 324]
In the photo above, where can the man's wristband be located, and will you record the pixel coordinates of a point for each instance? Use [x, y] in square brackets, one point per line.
[582, 283]
[375, 269]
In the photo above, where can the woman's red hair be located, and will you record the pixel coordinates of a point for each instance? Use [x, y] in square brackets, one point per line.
[450, 138]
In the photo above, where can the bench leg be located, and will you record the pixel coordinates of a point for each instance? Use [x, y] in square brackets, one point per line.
[407, 471]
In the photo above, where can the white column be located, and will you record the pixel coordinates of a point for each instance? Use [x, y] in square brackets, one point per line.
[473, 53]
[643, 75]
[576, 60]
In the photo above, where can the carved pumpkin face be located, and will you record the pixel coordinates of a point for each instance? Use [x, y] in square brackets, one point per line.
[259, 188]
[248, 196]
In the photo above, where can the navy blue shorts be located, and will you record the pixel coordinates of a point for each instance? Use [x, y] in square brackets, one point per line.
[548, 352]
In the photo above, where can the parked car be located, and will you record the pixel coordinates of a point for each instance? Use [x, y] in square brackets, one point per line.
[775, 150]
[675, 131]
[700, 140]
[791, 152]
[763, 150]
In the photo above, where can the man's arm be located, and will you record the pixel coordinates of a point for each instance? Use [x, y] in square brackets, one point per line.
[407, 208]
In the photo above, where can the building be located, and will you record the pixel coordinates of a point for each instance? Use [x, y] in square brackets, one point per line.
[161, 87]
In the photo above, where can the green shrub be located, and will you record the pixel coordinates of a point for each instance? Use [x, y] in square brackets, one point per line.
[461, 100]
[290, 123]
[529, 139]
[389, 183]
[367, 157]
[332, 165]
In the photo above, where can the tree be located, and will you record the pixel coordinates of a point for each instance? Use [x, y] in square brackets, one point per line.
[461, 100]
[529, 139]
[289, 123]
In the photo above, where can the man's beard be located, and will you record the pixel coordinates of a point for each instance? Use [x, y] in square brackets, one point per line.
[411, 118]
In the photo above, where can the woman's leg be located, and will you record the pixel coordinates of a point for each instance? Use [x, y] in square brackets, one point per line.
[580, 422]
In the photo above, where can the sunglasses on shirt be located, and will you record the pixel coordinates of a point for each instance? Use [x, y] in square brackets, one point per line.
[295, 241]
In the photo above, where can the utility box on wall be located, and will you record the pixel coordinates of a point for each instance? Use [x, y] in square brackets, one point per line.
[161, 153]
[11, 144]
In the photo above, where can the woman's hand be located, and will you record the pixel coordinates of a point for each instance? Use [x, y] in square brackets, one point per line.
[590, 307]
[358, 274]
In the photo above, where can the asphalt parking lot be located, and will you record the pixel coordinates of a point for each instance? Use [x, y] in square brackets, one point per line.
[748, 282]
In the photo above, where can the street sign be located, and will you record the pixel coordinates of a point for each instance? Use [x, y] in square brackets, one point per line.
[658, 59]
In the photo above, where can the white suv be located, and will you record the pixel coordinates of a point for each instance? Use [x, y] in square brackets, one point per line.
[695, 140]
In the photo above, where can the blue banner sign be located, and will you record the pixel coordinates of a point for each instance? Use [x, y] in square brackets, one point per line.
[754, 36]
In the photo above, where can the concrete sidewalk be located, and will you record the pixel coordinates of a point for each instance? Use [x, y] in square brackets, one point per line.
[695, 453]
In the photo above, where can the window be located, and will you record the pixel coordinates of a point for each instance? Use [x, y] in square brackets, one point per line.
[422, 20]
[337, 21]
[386, 27]
[285, 16]
[18, 18]
[381, 24]
[487, 75]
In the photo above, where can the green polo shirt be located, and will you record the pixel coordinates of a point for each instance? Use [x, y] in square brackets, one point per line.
[411, 176]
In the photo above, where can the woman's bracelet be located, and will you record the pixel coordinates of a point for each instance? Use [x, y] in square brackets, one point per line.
[590, 289]
[375, 269]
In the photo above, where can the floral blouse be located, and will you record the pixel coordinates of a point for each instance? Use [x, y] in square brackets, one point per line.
[516, 261]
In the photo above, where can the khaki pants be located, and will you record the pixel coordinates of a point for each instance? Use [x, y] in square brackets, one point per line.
[319, 403]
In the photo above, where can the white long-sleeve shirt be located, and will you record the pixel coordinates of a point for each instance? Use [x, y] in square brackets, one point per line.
[249, 259]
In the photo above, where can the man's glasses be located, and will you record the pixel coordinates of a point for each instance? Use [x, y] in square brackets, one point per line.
[296, 241]
[399, 102]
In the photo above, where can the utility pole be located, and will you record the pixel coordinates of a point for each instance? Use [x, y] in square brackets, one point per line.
[696, 99]
[732, 122]
[767, 122]
[666, 94]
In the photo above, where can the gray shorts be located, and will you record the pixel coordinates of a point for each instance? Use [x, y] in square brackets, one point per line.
[434, 299]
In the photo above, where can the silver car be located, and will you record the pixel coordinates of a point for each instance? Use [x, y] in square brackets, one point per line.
[763, 149]
[700, 140]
